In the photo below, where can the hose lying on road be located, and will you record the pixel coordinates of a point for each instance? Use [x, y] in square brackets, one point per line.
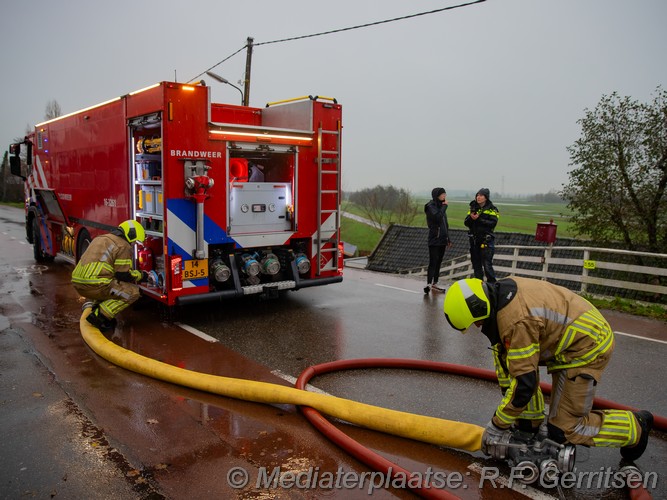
[433, 430]
[381, 464]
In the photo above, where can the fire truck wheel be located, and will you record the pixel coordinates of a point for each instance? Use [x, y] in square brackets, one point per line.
[83, 242]
[169, 314]
[38, 251]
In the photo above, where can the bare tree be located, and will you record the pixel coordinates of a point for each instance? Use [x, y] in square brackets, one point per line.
[52, 110]
[384, 205]
[11, 187]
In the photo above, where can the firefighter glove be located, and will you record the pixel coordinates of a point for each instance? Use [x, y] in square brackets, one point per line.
[136, 275]
[492, 438]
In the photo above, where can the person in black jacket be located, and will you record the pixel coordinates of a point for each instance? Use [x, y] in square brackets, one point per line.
[481, 221]
[438, 236]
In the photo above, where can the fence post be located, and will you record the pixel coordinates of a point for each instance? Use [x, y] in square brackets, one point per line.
[545, 261]
[584, 270]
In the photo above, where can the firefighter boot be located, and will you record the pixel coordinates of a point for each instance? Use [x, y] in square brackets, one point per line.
[527, 428]
[645, 420]
[99, 321]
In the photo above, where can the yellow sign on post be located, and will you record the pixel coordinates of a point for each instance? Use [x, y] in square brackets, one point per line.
[589, 264]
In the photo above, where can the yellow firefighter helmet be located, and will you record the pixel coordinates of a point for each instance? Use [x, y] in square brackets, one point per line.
[132, 230]
[466, 301]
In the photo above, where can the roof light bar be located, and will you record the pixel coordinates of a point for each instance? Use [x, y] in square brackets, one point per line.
[95, 106]
[261, 135]
[76, 112]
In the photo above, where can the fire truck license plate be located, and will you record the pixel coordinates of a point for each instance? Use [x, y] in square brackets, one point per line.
[194, 269]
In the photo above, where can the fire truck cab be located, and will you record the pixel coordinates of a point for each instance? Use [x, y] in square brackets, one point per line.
[235, 200]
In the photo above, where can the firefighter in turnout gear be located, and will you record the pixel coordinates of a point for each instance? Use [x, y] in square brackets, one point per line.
[532, 322]
[104, 274]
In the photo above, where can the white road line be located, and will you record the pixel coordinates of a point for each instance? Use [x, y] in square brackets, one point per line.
[503, 482]
[397, 288]
[277, 373]
[292, 380]
[196, 332]
[14, 238]
[640, 337]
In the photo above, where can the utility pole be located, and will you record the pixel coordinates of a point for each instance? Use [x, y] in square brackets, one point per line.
[248, 63]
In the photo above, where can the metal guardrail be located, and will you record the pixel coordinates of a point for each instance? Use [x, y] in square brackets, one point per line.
[599, 271]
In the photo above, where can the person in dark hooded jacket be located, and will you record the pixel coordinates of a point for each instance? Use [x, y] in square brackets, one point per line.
[438, 235]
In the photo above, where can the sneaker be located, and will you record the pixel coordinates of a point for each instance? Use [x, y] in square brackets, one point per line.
[427, 289]
[437, 288]
[645, 420]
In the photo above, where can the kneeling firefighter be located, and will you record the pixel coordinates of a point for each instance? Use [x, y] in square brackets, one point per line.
[104, 274]
[532, 322]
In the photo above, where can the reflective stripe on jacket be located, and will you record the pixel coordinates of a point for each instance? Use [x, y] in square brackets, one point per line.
[107, 255]
[482, 228]
[546, 324]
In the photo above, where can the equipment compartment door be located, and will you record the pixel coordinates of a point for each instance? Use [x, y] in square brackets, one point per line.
[260, 207]
[262, 197]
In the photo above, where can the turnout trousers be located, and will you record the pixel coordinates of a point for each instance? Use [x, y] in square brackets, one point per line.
[571, 415]
[113, 297]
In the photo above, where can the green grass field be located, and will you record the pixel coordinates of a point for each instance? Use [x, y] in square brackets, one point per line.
[364, 237]
[515, 217]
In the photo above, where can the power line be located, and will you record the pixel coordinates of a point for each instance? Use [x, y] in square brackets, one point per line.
[218, 64]
[373, 24]
[301, 37]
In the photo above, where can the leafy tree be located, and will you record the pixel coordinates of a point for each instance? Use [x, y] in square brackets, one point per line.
[617, 189]
[384, 205]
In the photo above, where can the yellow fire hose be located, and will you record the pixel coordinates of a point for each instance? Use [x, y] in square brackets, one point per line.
[452, 434]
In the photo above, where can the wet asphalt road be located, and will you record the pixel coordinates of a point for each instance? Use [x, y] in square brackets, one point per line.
[114, 433]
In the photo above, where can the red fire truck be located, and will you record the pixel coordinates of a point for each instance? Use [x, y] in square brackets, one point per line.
[235, 200]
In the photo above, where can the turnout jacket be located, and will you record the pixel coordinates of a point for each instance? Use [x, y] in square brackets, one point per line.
[108, 257]
[542, 324]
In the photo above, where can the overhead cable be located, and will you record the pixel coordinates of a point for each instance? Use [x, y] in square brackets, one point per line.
[301, 37]
[372, 24]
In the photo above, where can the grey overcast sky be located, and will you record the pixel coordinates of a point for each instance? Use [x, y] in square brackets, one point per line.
[486, 95]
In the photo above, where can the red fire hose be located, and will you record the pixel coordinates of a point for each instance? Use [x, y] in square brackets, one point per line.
[381, 464]
[459, 435]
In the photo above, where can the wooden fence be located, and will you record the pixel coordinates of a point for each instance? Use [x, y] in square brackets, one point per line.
[596, 271]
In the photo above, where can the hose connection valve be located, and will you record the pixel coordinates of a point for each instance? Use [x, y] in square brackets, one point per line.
[535, 455]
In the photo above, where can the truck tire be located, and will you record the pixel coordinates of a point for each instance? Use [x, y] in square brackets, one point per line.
[39, 253]
[82, 243]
